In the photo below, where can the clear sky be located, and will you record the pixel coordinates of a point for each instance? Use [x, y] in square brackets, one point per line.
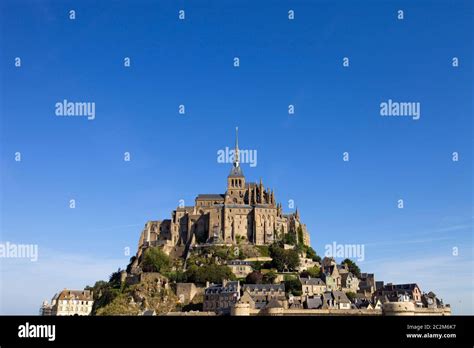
[173, 156]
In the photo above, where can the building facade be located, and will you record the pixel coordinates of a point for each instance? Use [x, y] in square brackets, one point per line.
[220, 298]
[312, 286]
[72, 302]
[240, 268]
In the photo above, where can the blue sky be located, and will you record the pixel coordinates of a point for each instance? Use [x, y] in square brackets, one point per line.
[174, 156]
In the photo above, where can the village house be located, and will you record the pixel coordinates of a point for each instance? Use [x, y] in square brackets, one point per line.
[306, 263]
[367, 283]
[330, 274]
[220, 298]
[72, 302]
[349, 282]
[313, 302]
[312, 286]
[240, 268]
[392, 292]
[295, 302]
[262, 294]
[342, 269]
[430, 300]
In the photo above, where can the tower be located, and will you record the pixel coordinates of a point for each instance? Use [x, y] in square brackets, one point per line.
[236, 180]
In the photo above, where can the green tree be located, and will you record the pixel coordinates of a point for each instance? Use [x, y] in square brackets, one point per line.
[311, 254]
[284, 260]
[290, 238]
[351, 296]
[176, 276]
[313, 272]
[257, 265]
[269, 277]
[292, 259]
[300, 234]
[254, 277]
[278, 257]
[155, 260]
[209, 273]
[293, 285]
[115, 279]
[353, 268]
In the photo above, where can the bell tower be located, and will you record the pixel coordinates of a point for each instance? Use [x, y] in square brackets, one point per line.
[236, 180]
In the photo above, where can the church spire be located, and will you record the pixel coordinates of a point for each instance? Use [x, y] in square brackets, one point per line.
[236, 170]
[236, 151]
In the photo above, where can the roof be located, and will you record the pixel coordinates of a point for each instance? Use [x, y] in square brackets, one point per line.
[81, 295]
[210, 196]
[274, 304]
[346, 275]
[340, 297]
[230, 287]
[186, 208]
[236, 172]
[311, 281]
[239, 263]
[253, 287]
[314, 303]
[242, 206]
[392, 287]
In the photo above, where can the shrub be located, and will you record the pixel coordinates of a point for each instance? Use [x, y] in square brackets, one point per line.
[155, 260]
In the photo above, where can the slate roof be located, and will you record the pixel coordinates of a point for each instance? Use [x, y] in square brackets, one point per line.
[210, 196]
[273, 304]
[340, 297]
[239, 263]
[314, 303]
[311, 281]
[219, 289]
[236, 172]
[81, 295]
[268, 287]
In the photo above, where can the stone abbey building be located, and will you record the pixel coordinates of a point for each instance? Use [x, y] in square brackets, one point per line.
[246, 212]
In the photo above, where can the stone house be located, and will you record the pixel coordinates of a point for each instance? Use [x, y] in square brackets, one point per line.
[264, 293]
[72, 302]
[430, 300]
[349, 282]
[392, 292]
[341, 301]
[306, 263]
[240, 268]
[367, 283]
[312, 286]
[330, 274]
[220, 298]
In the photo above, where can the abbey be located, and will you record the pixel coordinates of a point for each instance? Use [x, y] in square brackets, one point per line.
[247, 212]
